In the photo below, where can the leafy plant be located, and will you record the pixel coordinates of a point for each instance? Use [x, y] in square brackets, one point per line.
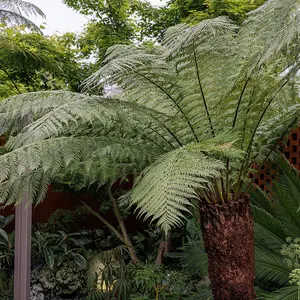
[54, 249]
[65, 280]
[6, 255]
[276, 225]
[193, 117]
[6, 243]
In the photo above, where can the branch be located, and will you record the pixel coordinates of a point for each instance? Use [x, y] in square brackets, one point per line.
[111, 227]
[173, 100]
[10, 78]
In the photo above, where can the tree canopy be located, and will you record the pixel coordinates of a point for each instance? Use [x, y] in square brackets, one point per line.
[30, 61]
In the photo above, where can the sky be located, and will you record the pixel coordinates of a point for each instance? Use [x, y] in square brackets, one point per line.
[60, 18]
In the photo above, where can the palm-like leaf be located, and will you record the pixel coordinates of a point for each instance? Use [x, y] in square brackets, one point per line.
[286, 293]
[276, 220]
[16, 12]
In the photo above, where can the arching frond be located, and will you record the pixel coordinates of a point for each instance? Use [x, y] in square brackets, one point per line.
[16, 12]
[273, 27]
[285, 293]
[18, 111]
[38, 116]
[165, 189]
[29, 169]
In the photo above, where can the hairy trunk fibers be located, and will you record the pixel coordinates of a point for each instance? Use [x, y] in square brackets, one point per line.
[228, 235]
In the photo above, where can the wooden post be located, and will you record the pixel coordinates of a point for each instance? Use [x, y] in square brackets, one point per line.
[22, 267]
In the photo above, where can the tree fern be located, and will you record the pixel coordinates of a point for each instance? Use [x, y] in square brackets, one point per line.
[16, 12]
[204, 82]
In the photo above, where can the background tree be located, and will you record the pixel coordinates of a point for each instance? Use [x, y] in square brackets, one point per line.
[33, 62]
[110, 24]
[153, 21]
[125, 22]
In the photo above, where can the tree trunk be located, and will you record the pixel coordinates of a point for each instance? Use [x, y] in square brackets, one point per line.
[125, 235]
[228, 234]
[163, 249]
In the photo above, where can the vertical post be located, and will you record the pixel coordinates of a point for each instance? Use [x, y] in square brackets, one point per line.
[22, 267]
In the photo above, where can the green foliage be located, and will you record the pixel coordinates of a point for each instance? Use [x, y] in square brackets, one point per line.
[111, 24]
[17, 11]
[65, 280]
[291, 252]
[218, 98]
[57, 248]
[153, 21]
[275, 227]
[65, 220]
[31, 62]
[6, 256]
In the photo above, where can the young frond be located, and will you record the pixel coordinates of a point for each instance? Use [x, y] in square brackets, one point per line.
[179, 39]
[165, 189]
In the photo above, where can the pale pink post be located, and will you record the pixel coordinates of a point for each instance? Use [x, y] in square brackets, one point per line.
[22, 268]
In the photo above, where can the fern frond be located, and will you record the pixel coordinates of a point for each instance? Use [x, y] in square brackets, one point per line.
[42, 115]
[18, 111]
[165, 189]
[16, 12]
[29, 169]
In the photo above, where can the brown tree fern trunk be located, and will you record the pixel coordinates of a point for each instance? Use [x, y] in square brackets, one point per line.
[228, 234]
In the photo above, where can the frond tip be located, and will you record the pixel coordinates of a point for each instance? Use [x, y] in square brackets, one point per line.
[165, 189]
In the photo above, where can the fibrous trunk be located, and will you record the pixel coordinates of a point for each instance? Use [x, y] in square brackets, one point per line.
[228, 235]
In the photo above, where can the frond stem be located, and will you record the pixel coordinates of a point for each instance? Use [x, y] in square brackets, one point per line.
[227, 180]
[245, 120]
[248, 151]
[201, 90]
[173, 100]
[160, 135]
[11, 79]
[239, 102]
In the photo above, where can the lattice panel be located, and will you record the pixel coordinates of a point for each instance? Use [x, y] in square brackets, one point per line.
[291, 150]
